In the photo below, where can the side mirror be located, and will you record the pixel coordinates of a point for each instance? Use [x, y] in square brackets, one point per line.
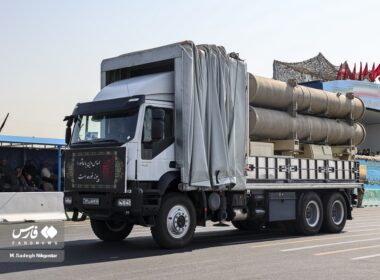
[68, 135]
[158, 124]
[68, 129]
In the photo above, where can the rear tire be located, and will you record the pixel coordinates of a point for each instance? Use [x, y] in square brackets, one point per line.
[111, 230]
[309, 214]
[335, 209]
[175, 223]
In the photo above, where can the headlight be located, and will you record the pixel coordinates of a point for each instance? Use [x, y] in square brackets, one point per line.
[68, 200]
[124, 202]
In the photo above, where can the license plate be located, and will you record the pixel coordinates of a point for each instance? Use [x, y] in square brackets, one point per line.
[90, 201]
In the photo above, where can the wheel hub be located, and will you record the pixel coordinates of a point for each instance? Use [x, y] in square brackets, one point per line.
[181, 221]
[312, 213]
[337, 212]
[178, 221]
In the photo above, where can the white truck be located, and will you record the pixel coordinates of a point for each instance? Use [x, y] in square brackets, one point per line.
[182, 134]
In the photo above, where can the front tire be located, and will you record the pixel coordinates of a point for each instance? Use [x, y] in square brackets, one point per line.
[309, 214]
[175, 223]
[111, 230]
[335, 209]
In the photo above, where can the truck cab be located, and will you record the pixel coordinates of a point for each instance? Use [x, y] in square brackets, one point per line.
[135, 115]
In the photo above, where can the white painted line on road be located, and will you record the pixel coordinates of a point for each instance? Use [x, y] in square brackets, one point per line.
[366, 217]
[366, 257]
[305, 239]
[328, 244]
[368, 213]
[346, 250]
[362, 230]
[358, 223]
[364, 226]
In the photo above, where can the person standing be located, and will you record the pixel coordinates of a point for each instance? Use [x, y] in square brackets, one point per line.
[49, 180]
[360, 197]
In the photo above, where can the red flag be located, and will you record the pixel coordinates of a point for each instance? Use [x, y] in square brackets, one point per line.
[339, 75]
[360, 72]
[346, 72]
[372, 73]
[377, 71]
[365, 71]
[353, 74]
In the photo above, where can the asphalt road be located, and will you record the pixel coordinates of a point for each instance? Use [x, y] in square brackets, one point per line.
[217, 253]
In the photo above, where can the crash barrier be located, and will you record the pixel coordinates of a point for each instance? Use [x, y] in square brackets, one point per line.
[371, 197]
[372, 186]
[31, 206]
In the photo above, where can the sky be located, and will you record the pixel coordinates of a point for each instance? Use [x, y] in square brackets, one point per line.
[50, 51]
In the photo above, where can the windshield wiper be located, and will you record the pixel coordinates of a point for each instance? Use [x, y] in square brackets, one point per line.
[82, 142]
[105, 140]
[97, 141]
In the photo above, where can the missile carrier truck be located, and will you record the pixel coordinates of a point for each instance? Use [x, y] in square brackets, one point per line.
[182, 134]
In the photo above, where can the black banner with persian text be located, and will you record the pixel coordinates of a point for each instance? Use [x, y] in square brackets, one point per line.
[95, 169]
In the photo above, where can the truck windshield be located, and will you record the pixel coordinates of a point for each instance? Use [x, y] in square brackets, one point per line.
[110, 127]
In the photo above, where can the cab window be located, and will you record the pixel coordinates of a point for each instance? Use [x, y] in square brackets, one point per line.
[158, 131]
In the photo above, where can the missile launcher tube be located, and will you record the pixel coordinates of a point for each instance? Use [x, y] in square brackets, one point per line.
[277, 125]
[272, 94]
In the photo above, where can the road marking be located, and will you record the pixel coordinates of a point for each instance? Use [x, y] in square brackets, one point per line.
[366, 217]
[362, 222]
[345, 250]
[366, 257]
[328, 244]
[363, 226]
[362, 230]
[312, 240]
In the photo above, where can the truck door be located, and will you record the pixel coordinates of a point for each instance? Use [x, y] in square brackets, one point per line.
[157, 144]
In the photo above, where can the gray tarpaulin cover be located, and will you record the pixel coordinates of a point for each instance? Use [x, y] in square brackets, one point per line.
[214, 116]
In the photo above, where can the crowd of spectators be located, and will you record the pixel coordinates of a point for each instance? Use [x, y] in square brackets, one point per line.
[28, 178]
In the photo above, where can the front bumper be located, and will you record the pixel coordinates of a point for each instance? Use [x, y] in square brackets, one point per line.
[142, 203]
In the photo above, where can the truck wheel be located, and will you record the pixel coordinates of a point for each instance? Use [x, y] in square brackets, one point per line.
[247, 225]
[309, 214]
[111, 230]
[175, 222]
[335, 209]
